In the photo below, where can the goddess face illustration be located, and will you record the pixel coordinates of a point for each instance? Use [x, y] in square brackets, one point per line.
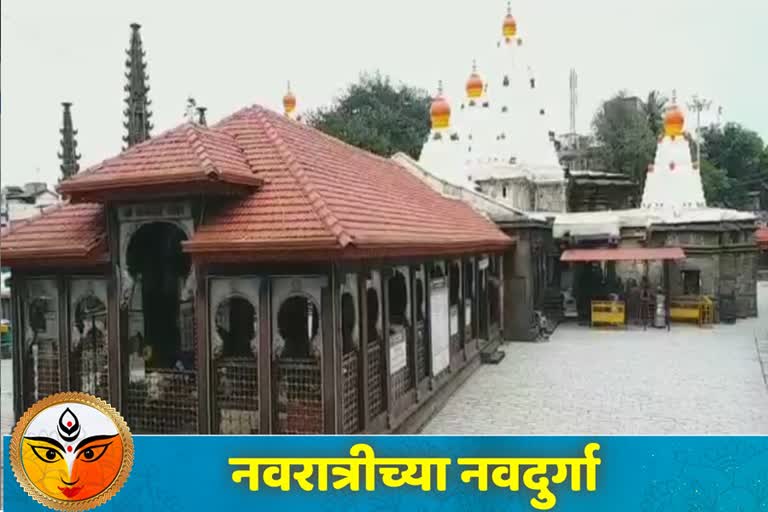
[71, 451]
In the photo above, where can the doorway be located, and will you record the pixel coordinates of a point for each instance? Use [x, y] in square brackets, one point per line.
[161, 392]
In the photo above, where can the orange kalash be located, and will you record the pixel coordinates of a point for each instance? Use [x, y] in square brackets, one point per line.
[474, 84]
[674, 122]
[440, 111]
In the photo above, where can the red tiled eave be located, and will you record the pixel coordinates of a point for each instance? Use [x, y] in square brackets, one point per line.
[63, 235]
[186, 155]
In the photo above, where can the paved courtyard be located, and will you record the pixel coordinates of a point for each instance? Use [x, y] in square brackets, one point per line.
[586, 381]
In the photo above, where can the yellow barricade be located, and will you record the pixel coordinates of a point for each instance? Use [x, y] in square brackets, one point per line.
[606, 312]
[698, 309]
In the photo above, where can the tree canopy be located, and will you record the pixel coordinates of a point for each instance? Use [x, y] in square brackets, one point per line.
[375, 115]
[626, 141]
[734, 163]
[654, 112]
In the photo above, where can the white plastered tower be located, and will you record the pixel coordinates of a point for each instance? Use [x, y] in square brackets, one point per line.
[673, 182]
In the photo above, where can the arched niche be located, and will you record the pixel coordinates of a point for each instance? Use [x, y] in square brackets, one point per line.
[128, 231]
[299, 299]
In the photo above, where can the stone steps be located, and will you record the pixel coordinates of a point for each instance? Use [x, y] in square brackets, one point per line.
[490, 354]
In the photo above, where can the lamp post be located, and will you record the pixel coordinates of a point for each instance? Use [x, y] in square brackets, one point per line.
[698, 105]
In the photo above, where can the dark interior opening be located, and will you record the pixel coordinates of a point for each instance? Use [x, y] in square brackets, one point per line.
[453, 275]
[398, 299]
[155, 257]
[235, 319]
[372, 300]
[420, 306]
[348, 321]
[691, 282]
[468, 280]
[298, 321]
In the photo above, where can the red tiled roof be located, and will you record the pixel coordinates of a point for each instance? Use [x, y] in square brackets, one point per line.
[187, 153]
[62, 233]
[624, 254]
[322, 194]
[319, 198]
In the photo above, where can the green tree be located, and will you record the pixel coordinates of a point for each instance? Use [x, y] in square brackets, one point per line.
[717, 185]
[626, 142]
[378, 116]
[654, 107]
[741, 154]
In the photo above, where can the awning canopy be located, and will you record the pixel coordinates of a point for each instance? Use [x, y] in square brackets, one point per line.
[762, 238]
[624, 254]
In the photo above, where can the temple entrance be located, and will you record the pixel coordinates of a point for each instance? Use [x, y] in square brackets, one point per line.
[161, 388]
[297, 355]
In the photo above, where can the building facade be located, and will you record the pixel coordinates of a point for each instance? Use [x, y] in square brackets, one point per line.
[19, 203]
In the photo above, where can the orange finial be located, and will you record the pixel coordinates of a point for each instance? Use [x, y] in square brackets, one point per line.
[289, 101]
[440, 110]
[474, 83]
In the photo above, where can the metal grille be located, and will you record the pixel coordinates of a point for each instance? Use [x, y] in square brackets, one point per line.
[376, 380]
[351, 418]
[89, 366]
[41, 328]
[237, 395]
[421, 352]
[299, 402]
[88, 350]
[42, 370]
[164, 402]
[401, 382]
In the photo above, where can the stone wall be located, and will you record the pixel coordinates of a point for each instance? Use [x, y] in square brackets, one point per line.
[724, 255]
[551, 197]
[515, 192]
[527, 274]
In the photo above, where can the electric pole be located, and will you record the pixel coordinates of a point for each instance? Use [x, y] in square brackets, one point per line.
[698, 105]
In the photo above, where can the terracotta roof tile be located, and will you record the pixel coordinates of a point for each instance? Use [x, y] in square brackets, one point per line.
[75, 233]
[186, 153]
[322, 191]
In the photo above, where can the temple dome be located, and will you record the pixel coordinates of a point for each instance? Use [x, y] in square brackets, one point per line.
[674, 122]
[440, 111]
[289, 101]
[475, 84]
[509, 27]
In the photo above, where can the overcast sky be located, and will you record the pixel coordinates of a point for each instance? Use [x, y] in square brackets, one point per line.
[228, 54]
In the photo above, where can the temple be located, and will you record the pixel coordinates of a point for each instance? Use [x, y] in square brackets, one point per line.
[496, 141]
[500, 143]
[254, 276]
[719, 246]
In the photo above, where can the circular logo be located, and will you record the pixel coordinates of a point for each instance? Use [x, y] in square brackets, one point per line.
[71, 451]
